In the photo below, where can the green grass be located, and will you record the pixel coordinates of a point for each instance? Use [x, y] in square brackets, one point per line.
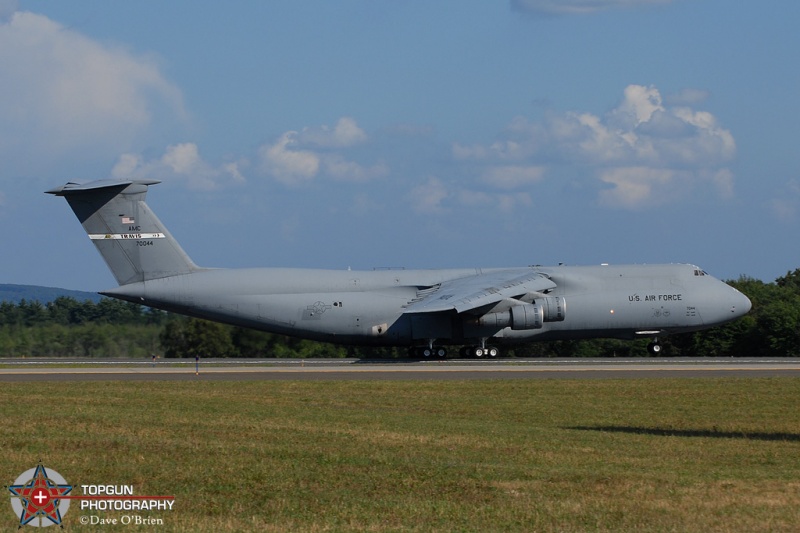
[509, 455]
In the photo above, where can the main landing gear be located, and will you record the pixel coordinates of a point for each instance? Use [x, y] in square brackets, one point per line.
[479, 352]
[439, 352]
[428, 352]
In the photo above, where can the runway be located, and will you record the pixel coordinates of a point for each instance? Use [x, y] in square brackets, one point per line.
[27, 370]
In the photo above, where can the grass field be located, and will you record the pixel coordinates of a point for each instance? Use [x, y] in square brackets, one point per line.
[510, 455]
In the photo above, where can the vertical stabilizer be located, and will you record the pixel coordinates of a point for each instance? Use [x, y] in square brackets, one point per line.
[130, 237]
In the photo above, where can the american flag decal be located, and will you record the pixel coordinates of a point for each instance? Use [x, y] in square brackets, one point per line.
[128, 220]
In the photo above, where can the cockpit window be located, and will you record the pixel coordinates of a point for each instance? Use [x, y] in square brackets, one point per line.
[698, 272]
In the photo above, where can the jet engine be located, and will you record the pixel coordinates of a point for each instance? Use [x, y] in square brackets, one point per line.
[528, 316]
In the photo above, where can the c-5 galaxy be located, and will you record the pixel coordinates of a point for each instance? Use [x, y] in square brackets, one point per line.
[426, 310]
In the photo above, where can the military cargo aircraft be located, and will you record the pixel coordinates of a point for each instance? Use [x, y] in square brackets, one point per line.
[426, 310]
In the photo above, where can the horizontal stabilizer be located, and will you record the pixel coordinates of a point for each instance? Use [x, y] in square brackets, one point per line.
[73, 188]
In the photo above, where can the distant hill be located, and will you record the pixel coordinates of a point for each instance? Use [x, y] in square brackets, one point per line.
[16, 293]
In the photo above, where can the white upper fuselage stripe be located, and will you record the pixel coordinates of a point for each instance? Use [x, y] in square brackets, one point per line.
[122, 236]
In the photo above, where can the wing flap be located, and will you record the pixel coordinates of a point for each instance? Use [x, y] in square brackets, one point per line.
[480, 290]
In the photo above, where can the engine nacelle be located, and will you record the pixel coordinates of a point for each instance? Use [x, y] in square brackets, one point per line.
[555, 308]
[528, 316]
[523, 316]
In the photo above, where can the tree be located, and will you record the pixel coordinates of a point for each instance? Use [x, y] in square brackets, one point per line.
[191, 337]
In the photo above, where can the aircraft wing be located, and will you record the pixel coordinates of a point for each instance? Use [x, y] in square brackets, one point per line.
[472, 292]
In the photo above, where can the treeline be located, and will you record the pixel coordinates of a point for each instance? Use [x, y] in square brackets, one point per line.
[112, 328]
[66, 327]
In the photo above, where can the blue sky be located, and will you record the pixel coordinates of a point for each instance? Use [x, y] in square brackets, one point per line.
[407, 134]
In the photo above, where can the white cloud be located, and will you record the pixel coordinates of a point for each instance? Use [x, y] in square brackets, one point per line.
[346, 133]
[341, 169]
[127, 166]
[436, 197]
[300, 157]
[786, 206]
[577, 7]
[428, 197]
[723, 180]
[649, 152]
[639, 104]
[288, 164]
[62, 90]
[500, 150]
[634, 186]
[182, 158]
[642, 187]
[233, 170]
[179, 162]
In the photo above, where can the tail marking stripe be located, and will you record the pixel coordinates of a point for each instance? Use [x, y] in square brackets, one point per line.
[123, 236]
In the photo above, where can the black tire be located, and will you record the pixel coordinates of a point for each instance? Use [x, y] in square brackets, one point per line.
[654, 348]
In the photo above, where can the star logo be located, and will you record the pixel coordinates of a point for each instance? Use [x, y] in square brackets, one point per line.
[36, 497]
[315, 310]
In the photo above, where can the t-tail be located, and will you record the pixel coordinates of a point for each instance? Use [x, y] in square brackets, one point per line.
[130, 237]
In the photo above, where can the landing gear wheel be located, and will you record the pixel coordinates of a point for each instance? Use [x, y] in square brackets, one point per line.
[478, 352]
[654, 348]
[441, 353]
[493, 352]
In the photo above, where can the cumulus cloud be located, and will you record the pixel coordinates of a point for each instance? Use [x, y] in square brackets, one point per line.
[179, 162]
[577, 7]
[346, 133]
[634, 185]
[300, 157]
[287, 162]
[437, 197]
[428, 197]
[644, 150]
[63, 90]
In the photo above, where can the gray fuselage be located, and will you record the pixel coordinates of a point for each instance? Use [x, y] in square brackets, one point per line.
[370, 307]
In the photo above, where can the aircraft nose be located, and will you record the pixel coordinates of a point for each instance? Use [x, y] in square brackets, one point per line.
[740, 304]
[724, 304]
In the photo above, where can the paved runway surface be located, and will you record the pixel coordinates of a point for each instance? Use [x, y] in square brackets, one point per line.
[22, 370]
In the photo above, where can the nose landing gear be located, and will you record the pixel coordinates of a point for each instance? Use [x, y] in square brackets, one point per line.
[654, 348]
